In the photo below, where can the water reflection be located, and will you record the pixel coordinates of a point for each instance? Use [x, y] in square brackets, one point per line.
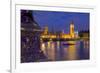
[72, 52]
[66, 50]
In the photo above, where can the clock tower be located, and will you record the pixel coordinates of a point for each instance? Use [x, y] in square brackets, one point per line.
[72, 29]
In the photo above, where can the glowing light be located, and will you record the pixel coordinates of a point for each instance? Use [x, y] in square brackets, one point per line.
[43, 48]
[72, 51]
[63, 35]
[49, 44]
[58, 44]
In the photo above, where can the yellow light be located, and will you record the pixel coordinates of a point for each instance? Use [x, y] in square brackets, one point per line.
[43, 48]
[72, 51]
[49, 44]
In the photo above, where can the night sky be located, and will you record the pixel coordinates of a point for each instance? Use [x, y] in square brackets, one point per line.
[58, 21]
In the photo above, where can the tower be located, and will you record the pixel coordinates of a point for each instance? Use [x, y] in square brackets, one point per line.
[46, 30]
[72, 29]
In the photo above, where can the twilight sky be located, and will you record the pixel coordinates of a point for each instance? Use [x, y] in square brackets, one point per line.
[58, 21]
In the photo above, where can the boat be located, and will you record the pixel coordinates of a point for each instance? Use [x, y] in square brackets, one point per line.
[69, 43]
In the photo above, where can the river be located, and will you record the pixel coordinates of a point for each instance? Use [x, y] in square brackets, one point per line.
[66, 50]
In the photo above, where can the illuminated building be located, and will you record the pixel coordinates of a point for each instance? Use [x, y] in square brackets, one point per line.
[72, 30]
[76, 34]
[47, 35]
[71, 34]
[45, 30]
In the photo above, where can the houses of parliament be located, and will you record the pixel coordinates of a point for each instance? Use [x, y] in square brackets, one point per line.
[47, 35]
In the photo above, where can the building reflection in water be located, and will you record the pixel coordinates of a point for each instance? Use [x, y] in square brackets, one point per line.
[70, 50]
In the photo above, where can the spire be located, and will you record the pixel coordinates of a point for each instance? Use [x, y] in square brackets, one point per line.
[72, 22]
